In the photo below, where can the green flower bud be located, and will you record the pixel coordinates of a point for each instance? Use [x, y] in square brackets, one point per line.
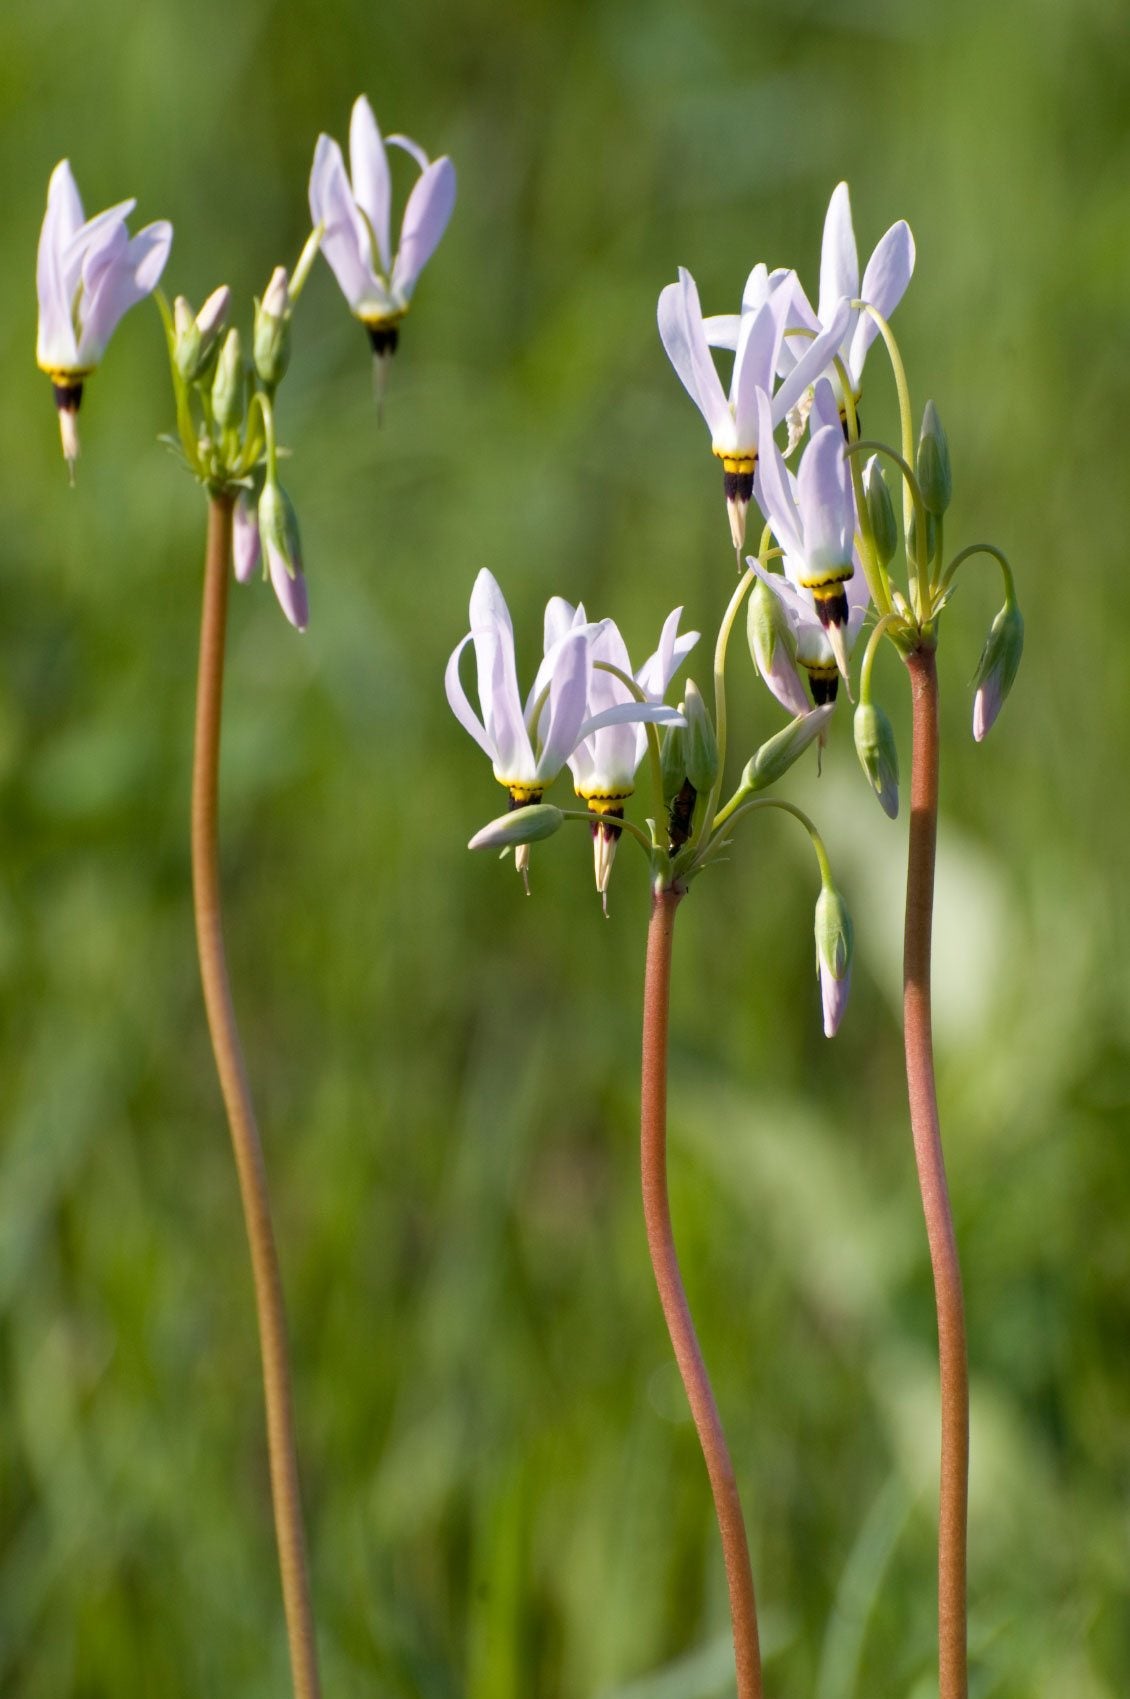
[700, 744]
[767, 625]
[833, 955]
[878, 755]
[931, 535]
[997, 667]
[196, 338]
[880, 511]
[520, 826]
[776, 756]
[673, 761]
[278, 527]
[271, 341]
[933, 464]
[227, 385]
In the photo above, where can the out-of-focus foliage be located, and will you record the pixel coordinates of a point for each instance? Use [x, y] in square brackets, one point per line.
[504, 1492]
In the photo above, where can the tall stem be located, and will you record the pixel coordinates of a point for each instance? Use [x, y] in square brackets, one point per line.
[673, 1297]
[954, 1493]
[241, 1116]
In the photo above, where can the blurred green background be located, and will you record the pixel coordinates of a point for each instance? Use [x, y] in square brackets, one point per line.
[504, 1492]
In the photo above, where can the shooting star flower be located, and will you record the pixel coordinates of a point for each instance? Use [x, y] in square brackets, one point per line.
[353, 212]
[89, 272]
[733, 418]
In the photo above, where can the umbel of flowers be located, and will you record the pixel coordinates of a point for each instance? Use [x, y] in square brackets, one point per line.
[225, 388]
[828, 561]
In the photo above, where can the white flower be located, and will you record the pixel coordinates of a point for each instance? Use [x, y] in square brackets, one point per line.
[89, 272]
[884, 283]
[354, 215]
[758, 352]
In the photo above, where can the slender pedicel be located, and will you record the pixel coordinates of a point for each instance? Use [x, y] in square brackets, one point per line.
[241, 1115]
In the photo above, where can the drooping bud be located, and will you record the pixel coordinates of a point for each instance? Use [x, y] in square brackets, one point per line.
[700, 743]
[778, 754]
[878, 755]
[997, 667]
[933, 463]
[772, 647]
[672, 761]
[271, 341]
[245, 546]
[833, 955]
[520, 826]
[197, 337]
[880, 511]
[278, 531]
[227, 385]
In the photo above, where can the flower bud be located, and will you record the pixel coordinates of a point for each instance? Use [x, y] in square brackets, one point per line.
[933, 463]
[777, 755]
[227, 385]
[278, 530]
[767, 625]
[878, 755]
[880, 511]
[997, 667]
[197, 338]
[271, 341]
[700, 744]
[833, 955]
[245, 546]
[672, 761]
[931, 535]
[520, 826]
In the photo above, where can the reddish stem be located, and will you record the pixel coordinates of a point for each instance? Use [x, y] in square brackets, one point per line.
[673, 1297]
[241, 1114]
[953, 1680]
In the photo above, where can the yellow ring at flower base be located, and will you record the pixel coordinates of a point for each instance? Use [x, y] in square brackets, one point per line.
[742, 464]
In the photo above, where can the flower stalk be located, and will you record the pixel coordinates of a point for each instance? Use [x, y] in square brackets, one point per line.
[236, 1091]
[953, 1681]
[673, 1297]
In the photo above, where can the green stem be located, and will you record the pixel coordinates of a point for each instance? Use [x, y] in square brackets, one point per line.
[981, 549]
[926, 1129]
[241, 1115]
[673, 1297]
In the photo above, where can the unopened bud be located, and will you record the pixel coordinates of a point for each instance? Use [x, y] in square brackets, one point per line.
[933, 463]
[520, 826]
[997, 667]
[245, 548]
[227, 385]
[673, 761]
[271, 342]
[833, 955]
[931, 535]
[197, 337]
[880, 511]
[767, 625]
[878, 755]
[777, 755]
[701, 745]
[278, 531]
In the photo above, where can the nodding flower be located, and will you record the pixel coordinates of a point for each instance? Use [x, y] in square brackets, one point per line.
[883, 286]
[605, 762]
[529, 743]
[758, 351]
[89, 272]
[354, 214]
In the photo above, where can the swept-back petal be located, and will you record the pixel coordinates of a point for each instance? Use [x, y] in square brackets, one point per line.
[430, 205]
[561, 617]
[368, 170]
[346, 240]
[627, 713]
[123, 274]
[684, 338]
[888, 272]
[813, 356]
[671, 651]
[722, 329]
[565, 711]
[458, 700]
[774, 490]
[56, 348]
[755, 364]
[825, 501]
[839, 258]
[407, 145]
